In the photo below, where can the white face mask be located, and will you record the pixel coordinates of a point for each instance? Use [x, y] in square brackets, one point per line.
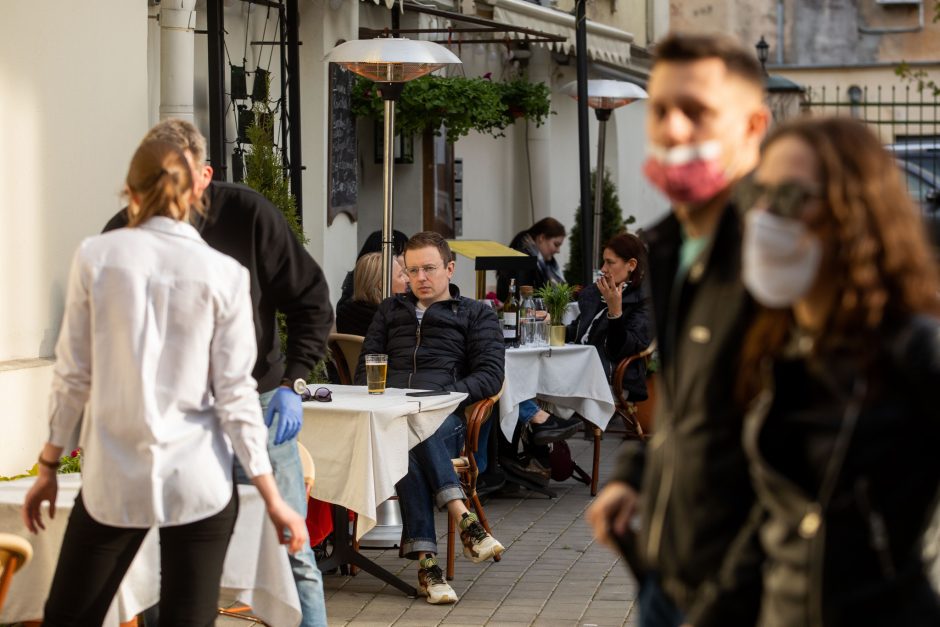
[781, 258]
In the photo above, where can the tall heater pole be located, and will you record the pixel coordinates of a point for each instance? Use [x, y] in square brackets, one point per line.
[587, 221]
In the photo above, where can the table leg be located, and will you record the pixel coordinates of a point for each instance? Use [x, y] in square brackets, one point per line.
[343, 553]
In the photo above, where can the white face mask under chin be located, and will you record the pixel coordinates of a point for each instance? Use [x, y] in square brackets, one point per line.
[781, 259]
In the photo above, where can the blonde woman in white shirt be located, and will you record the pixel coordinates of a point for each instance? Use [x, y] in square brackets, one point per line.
[158, 340]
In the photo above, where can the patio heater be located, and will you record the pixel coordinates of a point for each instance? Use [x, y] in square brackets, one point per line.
[603, 96]
[390, 63]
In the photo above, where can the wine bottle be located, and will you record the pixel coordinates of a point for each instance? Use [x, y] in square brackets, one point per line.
[511, 316]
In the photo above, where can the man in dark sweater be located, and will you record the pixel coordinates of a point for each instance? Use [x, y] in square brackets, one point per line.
[705, 121]
[437, 340]
[243, 224]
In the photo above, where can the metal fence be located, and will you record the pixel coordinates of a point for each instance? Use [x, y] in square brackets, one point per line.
[905, 118]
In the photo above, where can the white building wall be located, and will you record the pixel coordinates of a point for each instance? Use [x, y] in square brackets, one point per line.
[73, 107]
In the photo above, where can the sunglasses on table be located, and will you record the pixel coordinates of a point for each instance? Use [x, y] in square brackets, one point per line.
[322, 395]
[787, 200]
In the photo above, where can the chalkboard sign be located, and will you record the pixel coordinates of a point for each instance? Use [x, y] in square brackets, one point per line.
[342, 180]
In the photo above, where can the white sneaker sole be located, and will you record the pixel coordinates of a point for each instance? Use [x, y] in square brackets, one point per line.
[494, 550]
[439, 598]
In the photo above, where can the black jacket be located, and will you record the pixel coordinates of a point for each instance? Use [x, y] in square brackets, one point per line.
[354, 316]
[695, 489]
[458, 347]
[616, 339]
[545, 271]
[244, 225]
[862, 564]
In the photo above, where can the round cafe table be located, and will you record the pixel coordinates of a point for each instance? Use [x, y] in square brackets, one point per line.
[569, 376]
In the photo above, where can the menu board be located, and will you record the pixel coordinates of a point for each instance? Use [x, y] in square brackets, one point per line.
[342, 178]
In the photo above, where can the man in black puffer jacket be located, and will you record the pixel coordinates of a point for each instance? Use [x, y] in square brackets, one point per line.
[437, 340]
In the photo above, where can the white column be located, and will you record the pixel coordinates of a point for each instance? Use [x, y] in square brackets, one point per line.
[540, 165]
[177, 27]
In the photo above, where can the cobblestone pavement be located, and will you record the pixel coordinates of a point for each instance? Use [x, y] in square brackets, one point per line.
[552, 572]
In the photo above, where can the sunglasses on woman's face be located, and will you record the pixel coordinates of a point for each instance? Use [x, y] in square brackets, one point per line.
[322, 395]
[787, 200]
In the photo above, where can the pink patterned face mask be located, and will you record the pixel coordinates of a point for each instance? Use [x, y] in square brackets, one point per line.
[685, 174]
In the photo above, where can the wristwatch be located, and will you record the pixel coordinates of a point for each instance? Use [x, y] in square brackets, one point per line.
[298, 385]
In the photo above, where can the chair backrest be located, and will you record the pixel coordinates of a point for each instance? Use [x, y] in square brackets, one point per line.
[310, 470]
[642, 410]
[477, 414]
[345, 349]
[15, 552]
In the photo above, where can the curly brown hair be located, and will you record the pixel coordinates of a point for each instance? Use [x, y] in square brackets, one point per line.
[882, 267]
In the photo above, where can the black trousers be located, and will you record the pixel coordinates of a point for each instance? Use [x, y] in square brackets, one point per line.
[95, 558]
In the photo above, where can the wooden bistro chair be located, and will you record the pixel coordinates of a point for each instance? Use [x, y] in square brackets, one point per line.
[637, 416]
[15, 552]
[466, 468]
[344, 351]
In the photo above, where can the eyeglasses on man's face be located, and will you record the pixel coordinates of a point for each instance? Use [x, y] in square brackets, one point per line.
[429, 271]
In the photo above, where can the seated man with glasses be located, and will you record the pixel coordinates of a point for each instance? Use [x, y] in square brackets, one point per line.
[436, 339]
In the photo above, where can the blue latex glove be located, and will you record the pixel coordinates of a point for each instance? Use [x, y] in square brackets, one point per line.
[285, 403]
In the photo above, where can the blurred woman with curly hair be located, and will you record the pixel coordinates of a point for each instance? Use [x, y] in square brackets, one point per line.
[841, 371]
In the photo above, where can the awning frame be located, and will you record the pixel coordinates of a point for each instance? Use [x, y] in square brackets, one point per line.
[481, 25]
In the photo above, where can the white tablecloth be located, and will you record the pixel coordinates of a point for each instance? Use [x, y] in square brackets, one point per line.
[360, 441]
[256, 571]
[569, 376]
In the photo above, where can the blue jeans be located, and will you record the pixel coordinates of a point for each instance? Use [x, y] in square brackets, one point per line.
[289, 476]
[657, 609]
[527, 411]
[430, 481]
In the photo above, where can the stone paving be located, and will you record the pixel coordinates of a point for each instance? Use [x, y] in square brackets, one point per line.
[552, 572]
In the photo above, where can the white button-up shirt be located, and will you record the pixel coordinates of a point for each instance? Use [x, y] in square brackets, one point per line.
[158, 339]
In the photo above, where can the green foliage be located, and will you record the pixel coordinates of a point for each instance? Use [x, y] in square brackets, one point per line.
[264, 171]
[459, 104]
[919, 77]
[556, 297]
[612, 223]
[67, 464]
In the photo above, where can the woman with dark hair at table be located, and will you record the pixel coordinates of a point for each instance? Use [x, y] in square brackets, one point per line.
[615, 314]
[354, 316]
[616, 319]
[153, 367]
[542, 240]
[841, 370]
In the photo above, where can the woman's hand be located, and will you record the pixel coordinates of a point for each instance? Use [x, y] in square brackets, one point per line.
[610, 292]
[45, 489]
[291, 528]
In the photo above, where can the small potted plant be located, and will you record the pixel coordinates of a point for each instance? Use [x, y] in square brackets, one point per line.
[556, 297]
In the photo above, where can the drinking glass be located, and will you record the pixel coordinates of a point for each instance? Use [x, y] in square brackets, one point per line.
[376, 367]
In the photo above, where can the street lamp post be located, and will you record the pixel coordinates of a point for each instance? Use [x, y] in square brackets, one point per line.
[603, 96]
[390, 63]
[763, 52]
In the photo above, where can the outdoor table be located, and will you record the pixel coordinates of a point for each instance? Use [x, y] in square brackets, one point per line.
[256, 571]
[359, 443]
[570, 376]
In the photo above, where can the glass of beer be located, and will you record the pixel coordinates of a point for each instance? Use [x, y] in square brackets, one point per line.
[376, 366]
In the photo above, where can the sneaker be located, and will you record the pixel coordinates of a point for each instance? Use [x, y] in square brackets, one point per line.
[554, 429]
[478, 545]
[431, 584]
